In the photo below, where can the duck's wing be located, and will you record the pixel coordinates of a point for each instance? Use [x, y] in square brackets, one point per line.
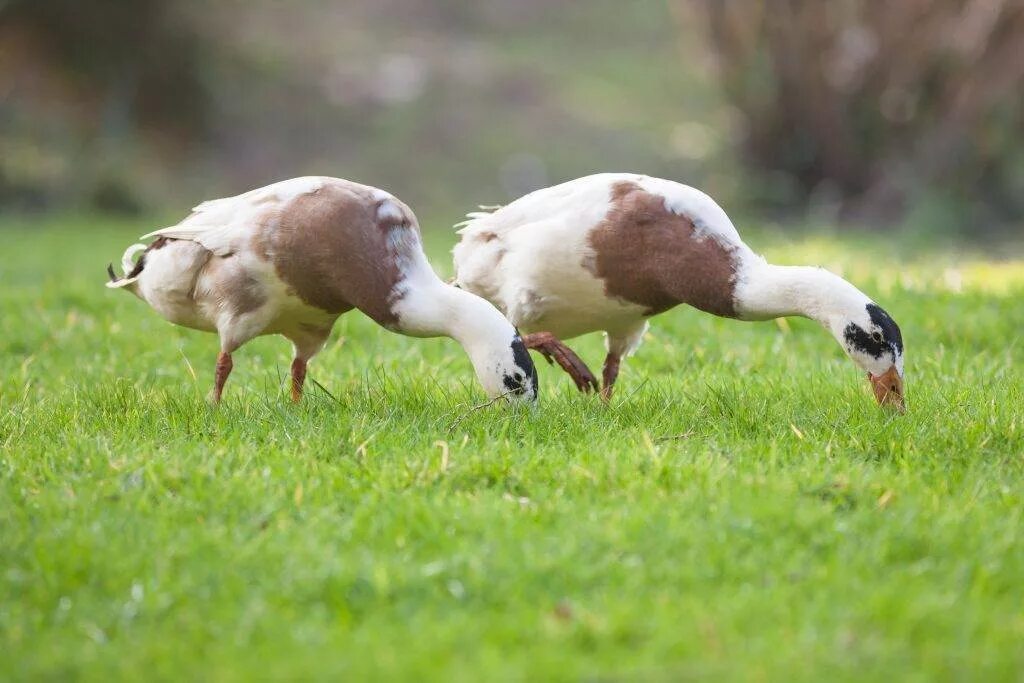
[576, 199]
[219, 225]
[492, 222]
[224, 226]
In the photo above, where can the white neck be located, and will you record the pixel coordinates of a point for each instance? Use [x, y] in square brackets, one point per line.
[764, 291]
[432, 308]
[437, 309]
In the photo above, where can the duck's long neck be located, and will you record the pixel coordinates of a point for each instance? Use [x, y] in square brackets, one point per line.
[432, 308]
[764, 291]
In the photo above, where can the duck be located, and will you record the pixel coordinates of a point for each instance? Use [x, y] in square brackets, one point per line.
[607, 252]
[291, 257]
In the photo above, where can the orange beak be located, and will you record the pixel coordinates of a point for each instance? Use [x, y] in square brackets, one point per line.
[888, 388]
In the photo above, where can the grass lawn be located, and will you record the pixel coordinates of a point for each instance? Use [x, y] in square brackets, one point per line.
[743, 510]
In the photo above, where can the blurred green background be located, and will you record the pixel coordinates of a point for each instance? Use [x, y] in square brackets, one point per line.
[853, 113]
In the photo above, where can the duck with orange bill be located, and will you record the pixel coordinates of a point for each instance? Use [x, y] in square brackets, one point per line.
[608, 252]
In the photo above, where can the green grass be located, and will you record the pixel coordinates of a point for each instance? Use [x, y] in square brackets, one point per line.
[742, 511]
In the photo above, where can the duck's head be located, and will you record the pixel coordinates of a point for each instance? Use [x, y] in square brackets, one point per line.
[873, 340]
[508, 371]
[498, 354]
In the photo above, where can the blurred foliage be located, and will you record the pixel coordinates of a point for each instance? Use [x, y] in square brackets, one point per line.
[448, 104]
[907, 110]
[86, 82]
[136, 50]
[875, 107]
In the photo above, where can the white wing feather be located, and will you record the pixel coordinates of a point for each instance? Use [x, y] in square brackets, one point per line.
[222, 225]
[213, 224]
[222, 240]
[575, 199]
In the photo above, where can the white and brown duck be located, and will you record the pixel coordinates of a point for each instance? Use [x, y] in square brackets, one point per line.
[608, 251]
[291, 257]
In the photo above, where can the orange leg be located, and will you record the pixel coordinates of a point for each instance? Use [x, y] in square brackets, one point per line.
[221, 375]
[555, 351]
[298, 378]
[610, 374]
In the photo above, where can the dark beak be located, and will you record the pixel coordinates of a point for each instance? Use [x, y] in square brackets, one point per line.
[888, 389]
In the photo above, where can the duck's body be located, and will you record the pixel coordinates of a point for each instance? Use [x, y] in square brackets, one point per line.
[606, 252]
[291, 257]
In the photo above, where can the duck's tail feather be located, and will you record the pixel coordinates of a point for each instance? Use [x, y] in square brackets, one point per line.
[485, 211]
[129, 267]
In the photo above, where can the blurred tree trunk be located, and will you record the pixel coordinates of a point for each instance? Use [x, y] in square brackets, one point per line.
[877, 101]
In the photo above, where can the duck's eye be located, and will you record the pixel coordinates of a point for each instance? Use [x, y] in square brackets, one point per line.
[877, 336]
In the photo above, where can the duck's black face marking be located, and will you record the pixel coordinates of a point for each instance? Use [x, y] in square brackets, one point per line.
[890, 330]
[885, 339]
[525, 377]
